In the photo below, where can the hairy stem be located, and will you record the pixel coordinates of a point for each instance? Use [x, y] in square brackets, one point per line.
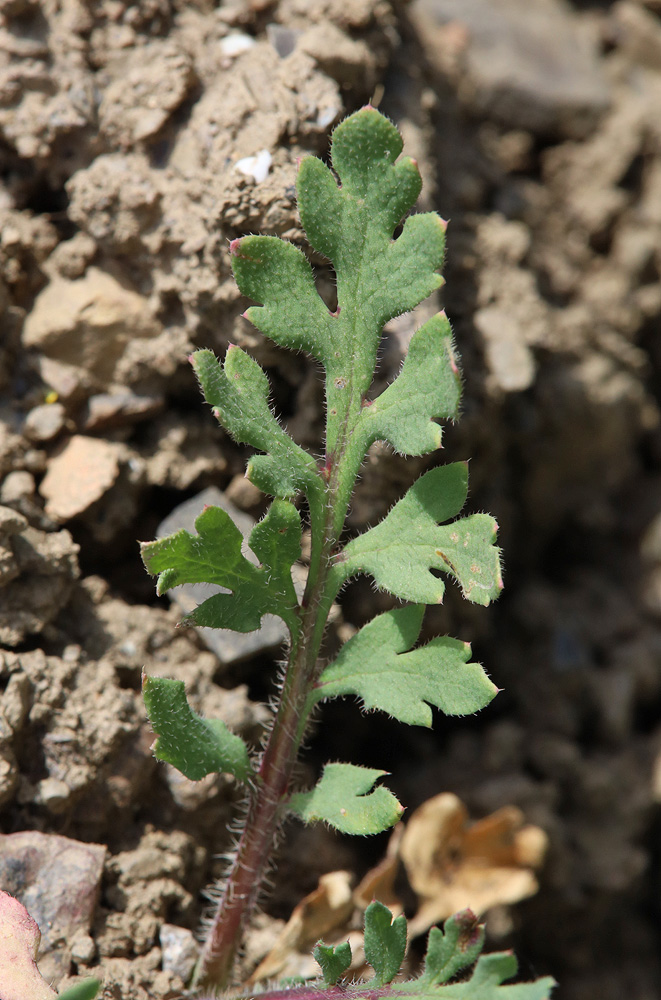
[267, 798]
[269, 793]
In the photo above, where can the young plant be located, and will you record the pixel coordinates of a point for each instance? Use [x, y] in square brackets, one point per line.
[450, 954]
[349, 214]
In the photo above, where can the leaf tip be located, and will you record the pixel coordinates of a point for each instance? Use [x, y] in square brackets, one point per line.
[470, 929]
[443, 222]
[234, 247]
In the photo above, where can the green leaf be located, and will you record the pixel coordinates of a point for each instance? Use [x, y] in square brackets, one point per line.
[449, 952]
[385, 942]
[342, 798]
[427, 389]
[276, 273]
[333, 961]
[238, 391]
[486, 983]
[377, 277]
[214, 556]
[87, 990]
[453, 949]
[375, 665]
[402, 550]
[195, 746]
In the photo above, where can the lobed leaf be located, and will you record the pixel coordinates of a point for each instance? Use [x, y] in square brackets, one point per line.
[402, 550]
[195, 746]
[385, 942]
[375, 665]
[238, 391]
[427, 389]
[332, 960]
[343, 798]
[214, 556]
[377, 277]
[453, 949]
[488, 982]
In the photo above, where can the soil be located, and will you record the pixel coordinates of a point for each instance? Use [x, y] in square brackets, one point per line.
[137, 139]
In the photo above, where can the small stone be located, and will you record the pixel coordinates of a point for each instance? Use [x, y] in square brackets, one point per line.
[9, 775]
[11, 522]
[256, 166]
[15, 701]
[79, 475]
[67, 381]
[43, 423]
[107, 410]
[17, 485]
[236, 44]
[53, 795]
[243, 493]
[283, 40]
[529, 65]
[89, 322]
[180, 950]
[83, 949]
[57, 879]
[508, 357]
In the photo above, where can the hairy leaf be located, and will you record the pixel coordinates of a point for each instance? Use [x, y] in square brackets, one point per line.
[488, 982]
[214, 556]
[402, 550]
[333, 961]
[453, 949]
[375, 665]
[450, 952]
[195, 746]
[343, 798]
[427, 389]
[377, 277]
[385, 942]
[238, 391]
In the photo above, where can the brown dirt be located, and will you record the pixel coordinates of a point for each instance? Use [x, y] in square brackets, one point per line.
[537, 130]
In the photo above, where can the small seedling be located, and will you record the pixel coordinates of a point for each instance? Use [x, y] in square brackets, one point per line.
[450, 954]
[350, 214]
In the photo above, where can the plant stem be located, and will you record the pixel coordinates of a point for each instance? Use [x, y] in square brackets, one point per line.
[267, 797]
[270, 790]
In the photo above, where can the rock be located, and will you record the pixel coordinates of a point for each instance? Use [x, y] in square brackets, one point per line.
[149, 84]
[53, 794]
[83, 949]
[89, 323]
[638, 33]
[229, 647]
[57, 880]
[180, 950]
[119, 409]
[507, 355]
[69, 382]
[41, 568]
[530, 65]
[79, 475]
[70, 258]
[15, 701]
[43, 423]
[243, 493]
[115, 199]
[11, 522]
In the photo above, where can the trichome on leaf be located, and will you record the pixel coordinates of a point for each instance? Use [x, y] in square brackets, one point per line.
[349, 214]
